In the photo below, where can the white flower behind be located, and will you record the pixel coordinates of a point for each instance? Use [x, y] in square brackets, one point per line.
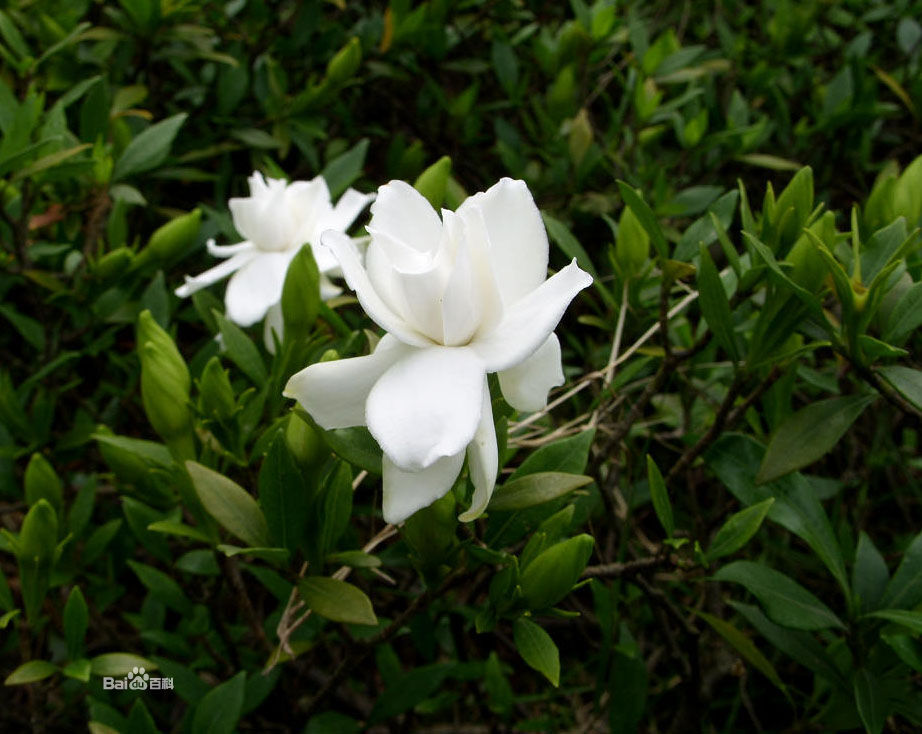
[276, 219]
[460, 297]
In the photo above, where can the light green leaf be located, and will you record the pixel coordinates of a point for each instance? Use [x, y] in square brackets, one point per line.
[551, 575]
[230, 504]
[712, 298]
[537, 649]
[337, 600]
[809, 434]
[534, 489]
[646, 218]
[786, 602]
[30, 672]
[738, 529]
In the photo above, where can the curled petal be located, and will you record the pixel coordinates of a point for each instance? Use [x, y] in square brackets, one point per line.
[526, 324]
[334, 393]
[518, 247]
[401, 213]
[349, 261]
[427, 405]
[526, 385]
[482, 459]
[405, 492]
[218, 272]
[222, 251]
[349, 206]
[255, 287]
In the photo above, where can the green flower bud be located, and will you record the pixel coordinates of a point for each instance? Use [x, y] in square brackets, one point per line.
[808, 267]
[165, 384]
[301, 294]
[113, 264]
[345, 63]
[215, 391]
[433, 182]
[551, 576]
[42, 482]
[171, 240]
[330, 355]
[632, 249]
[303, 441]
[580, 137]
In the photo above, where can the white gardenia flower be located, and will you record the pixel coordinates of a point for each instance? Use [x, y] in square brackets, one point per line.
[460, 297]
[276, 219]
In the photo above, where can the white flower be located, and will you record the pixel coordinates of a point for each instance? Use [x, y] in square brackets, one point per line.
[459, 297]
[276, 219]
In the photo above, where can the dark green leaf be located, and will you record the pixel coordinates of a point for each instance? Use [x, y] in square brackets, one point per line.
[715, 307]
[345, 169]
[809, 434]
[284, 497]
[869, 575]
[220, 709]
[905, 588]
[870, 700]
[660, 497]
[76, 620]
[786, 602]
[30, 672]
[242, 351]
[745, 647]
[149, 149]
[228, 503]
[906, 381]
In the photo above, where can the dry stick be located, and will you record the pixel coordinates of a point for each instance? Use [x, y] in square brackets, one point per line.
[624, 570]
[233, 571]
[588, 378]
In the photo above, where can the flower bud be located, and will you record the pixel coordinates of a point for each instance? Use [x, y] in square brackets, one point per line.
[330, 355]
[215, 391]
[301, 294]
[165, 384]
[42, 482]
[170, 240]
[113, 264]
[632, 248]
[345, 63]
[303, 442]
[433, 182]
[808, 267]
[549, 578]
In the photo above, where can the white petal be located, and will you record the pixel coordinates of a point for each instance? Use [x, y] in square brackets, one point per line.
[349, 206]
[265, 220]
[403, 214]
[462, 299]
[309, 203]
[328, 289]
[406, 492]
[227, 250]
[529, 322]
[274, 322]
[218, 272]
[482, 459]
[383, 315]
[526, 385]
[518, 240]
[427, 405]
[255, 287]
[334, 393]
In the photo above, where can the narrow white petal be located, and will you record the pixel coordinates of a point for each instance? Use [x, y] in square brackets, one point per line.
[309, 204]
[255, 287]
[518, 240]
[213, 275]
[427, 405]
[529, 322]
[356, 277]
[328, 289]
[403, 214]
[334, 393]
[526, 385]
[273, 323]
[406, 492]
[227, 250]
[462, 300]
[482, 459]
[349, 206]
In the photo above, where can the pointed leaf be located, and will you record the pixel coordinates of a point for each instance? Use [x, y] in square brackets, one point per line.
[660, 497]
[337, 600]
[738, 529]
[534, 489]
[537, 649]
[230, 504]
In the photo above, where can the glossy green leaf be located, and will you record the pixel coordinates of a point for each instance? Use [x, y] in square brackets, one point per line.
[116, 664]
[550, 576]
[909, 619]
[149, 149]
[905, 588]
[30, 672]
[342, 171]
[715, 307]
[745, 647]
[220, 709]
[646, 218]
[906, 381]
[869, 574]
